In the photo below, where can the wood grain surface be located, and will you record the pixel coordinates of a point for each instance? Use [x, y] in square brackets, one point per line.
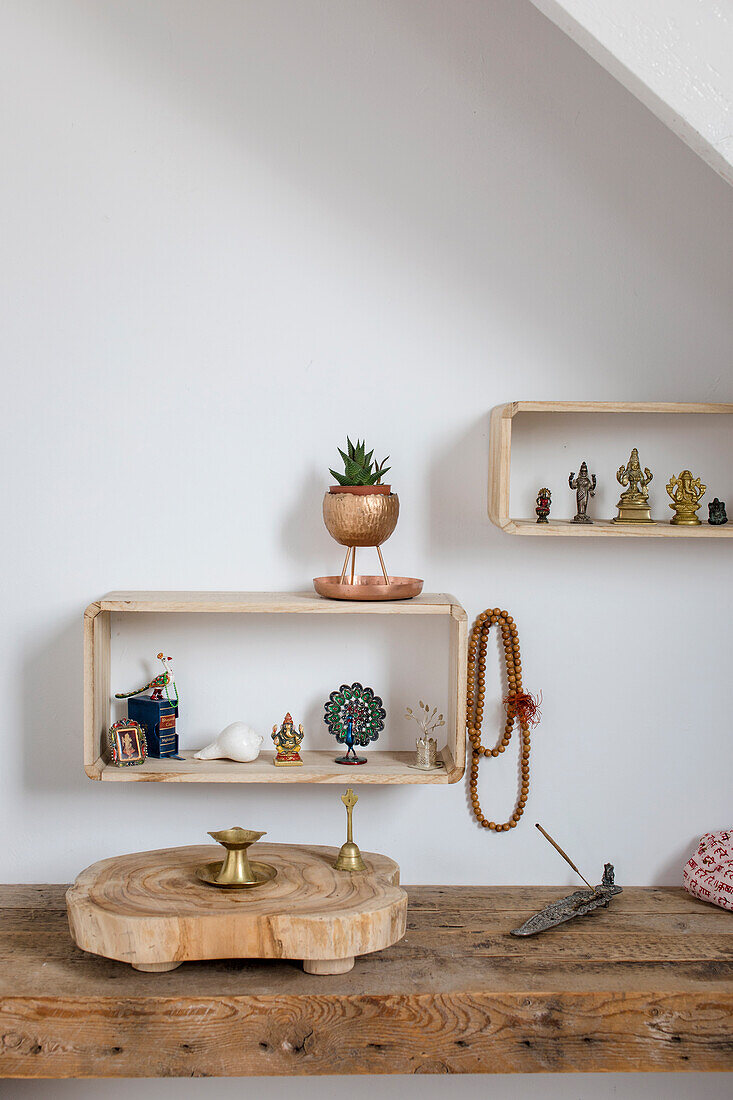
[645, 985]
[149, 908]
[271, 603]
[319, 766]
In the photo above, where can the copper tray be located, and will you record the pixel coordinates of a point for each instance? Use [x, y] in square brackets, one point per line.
[368, 588]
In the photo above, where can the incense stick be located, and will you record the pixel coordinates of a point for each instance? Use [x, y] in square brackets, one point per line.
[564, 855]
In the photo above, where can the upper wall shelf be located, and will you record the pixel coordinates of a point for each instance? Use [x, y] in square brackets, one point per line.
[500, 455]
[318, 766]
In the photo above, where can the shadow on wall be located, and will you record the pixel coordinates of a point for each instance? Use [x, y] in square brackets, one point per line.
[500, 78]
[670, 871]
[458, 520]
[52, 707]
[302, 533]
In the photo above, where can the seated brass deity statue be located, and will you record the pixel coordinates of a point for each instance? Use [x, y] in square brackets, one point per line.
[287, 743]
[633, 507]
[686, 492]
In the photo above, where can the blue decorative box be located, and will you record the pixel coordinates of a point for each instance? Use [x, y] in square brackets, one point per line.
[158, 718]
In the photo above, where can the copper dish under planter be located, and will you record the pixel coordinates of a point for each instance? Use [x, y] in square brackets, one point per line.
[368, 588]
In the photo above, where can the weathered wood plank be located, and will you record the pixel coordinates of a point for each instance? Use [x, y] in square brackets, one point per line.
[33, 895]
[461, 1033]
[556, 947]
[375, 975]
[644, 985]
[474, 922]
[635, 899]
[37, 923]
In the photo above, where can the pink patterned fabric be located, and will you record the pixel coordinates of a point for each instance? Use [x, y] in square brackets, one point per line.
[709, 874]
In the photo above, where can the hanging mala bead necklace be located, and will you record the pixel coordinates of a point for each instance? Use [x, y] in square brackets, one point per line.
[520, 707]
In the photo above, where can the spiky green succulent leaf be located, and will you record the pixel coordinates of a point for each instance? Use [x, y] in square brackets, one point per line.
[359, 466]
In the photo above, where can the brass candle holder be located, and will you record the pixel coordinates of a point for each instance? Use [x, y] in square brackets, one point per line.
[237, 871]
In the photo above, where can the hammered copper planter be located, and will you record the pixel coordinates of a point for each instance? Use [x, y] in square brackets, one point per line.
[363, 520]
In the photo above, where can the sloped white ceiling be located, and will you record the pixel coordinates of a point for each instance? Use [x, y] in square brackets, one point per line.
[676, 56]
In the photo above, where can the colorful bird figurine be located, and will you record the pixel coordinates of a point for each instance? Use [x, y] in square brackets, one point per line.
[159, 683]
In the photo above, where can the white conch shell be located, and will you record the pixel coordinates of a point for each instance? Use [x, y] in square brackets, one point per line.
[237, 742]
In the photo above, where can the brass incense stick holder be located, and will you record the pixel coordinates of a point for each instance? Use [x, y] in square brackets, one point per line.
[349, 858]
[236, 872]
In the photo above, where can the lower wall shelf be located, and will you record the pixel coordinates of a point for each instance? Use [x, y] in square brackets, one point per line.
[319, 766]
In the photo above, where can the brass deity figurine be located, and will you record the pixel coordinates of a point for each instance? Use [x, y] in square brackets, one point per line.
[585, 488]
[686, 492]
[544, 502]
[287, 742]
[633, 507]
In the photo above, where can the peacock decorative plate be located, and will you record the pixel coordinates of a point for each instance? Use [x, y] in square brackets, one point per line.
[354, 716]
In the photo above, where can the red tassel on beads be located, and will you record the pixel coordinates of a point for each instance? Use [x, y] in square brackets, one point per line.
[526, 707]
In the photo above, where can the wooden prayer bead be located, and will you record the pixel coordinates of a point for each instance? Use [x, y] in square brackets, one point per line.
[475, 695]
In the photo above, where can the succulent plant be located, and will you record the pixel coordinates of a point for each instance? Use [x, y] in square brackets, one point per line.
[359, 469]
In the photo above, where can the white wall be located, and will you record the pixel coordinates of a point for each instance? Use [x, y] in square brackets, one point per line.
[233, 232]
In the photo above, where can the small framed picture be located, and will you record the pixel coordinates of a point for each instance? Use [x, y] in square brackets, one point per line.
[127, 744]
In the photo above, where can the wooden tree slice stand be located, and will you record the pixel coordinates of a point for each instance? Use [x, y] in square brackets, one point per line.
[150, 910]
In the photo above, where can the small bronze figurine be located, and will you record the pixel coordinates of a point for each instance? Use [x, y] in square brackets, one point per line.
[633, 507]
[716, 513]
[287, 743]
[585, 487]
[686, 492]
[544, 500]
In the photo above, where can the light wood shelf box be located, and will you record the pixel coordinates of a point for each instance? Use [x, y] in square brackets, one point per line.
[318, 766]
[500, 458]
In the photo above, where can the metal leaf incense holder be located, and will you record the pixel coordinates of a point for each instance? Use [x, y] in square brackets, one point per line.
[574, 905]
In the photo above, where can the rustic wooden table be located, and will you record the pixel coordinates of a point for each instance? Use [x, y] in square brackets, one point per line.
[644, 985]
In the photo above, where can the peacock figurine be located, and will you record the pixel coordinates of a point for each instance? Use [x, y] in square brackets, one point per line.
[159, 684]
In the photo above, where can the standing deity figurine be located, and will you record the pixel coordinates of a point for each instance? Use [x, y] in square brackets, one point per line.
[633, 507]
[287, 743]
[544, 501]
[585, 488]
[716, 513]
[686, 492]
